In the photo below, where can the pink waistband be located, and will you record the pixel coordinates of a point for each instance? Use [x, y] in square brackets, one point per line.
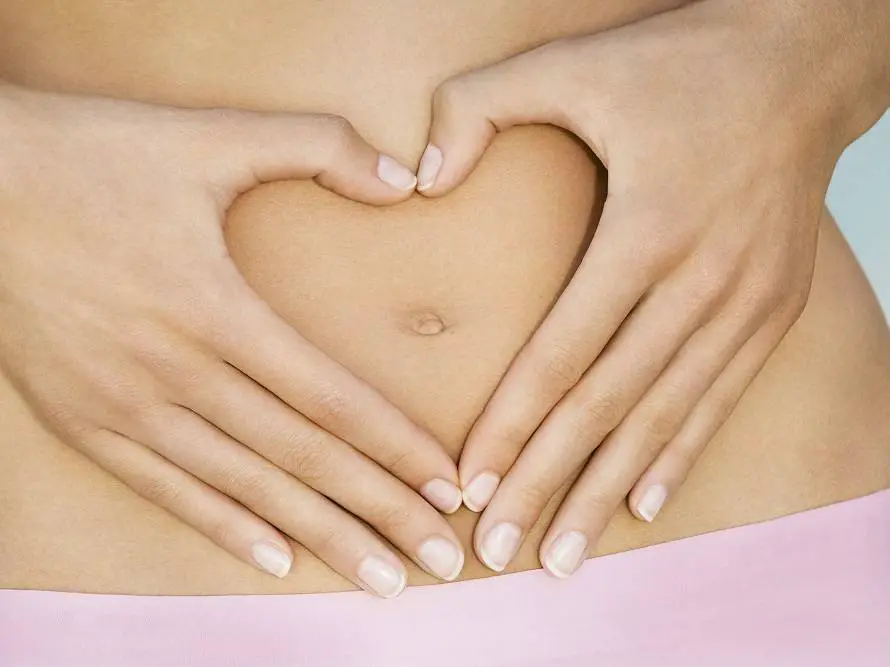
[809, 589]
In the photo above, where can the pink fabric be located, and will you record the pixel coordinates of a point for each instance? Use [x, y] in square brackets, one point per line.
[811, 589]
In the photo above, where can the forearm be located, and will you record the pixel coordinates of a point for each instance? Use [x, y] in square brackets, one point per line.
[848, 61]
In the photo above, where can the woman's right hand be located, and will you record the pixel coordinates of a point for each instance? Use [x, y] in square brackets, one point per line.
[130, 332]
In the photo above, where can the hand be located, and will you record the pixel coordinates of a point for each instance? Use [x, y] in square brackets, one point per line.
[720, 133]
[130, 332]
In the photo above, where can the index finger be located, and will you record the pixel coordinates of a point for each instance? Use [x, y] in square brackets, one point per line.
[263, 346]
[574, 333]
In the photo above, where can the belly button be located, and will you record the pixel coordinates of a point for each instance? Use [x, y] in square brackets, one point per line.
[426, 324]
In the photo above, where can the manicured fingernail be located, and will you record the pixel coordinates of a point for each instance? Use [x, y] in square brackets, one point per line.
[478, 493]
[272, 559]
[652, 501]
[442, 495]
[394, 174]
[500, 545]
[381, 577]
[566, 554]
[430, 164]
[441, 557]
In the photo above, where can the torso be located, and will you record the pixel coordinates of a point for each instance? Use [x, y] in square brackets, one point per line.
[488, 261]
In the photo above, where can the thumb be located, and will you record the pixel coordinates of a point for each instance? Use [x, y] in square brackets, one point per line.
[469, 110]
[249, 148]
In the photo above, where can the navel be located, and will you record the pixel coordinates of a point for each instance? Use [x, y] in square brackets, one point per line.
[426, 323]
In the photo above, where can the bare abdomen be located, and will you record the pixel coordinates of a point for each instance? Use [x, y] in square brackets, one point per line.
[428, 300]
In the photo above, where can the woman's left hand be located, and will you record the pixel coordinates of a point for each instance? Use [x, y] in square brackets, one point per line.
[720, 124]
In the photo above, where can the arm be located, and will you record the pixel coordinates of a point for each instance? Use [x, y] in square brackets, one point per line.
[720, 124]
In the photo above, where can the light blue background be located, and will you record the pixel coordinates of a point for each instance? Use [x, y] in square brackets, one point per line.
[859, 198]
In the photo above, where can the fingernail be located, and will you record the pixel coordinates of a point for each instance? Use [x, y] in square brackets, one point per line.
[381, 577]
[566, 554]
[443, 495]
[430, 164]
[272, 559]
[441, 557]
[478, 493]
[394, 174]
[500, 545]
[652, 501]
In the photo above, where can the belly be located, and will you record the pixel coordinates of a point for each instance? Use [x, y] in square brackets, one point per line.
[429, 301]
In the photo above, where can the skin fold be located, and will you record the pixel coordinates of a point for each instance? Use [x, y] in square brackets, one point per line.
[362, 284]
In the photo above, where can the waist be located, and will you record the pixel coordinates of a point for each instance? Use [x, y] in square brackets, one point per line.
[428, 301]
[714, 599]
[811, 430]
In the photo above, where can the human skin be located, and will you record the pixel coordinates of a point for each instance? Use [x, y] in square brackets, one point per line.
[161, 364]
[749, 106]
[356, 281]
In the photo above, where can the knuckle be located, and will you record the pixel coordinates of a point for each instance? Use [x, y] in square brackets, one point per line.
[684, 457]
[337, 125]
[64, 417]
[709, 286]
[339, 138]
[506, 443]
[220, 531]
[154, 351]
[329, 407]
[452, 94]
[160, 491]
[767, 285]
[252, 487]
[307, 456]
[149, 418]
[326, 541]
[391, 519]
[563, 368]
[533, 497]
[656, 248]
[662, 424]
[398, 462]
[600, 504]
[722, 410]
[603, 412]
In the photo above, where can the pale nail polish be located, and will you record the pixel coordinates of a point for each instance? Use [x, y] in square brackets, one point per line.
[652, 501]
[381, 577]
[500, 545]
[479, 492]
[441, 557]
[566, 554]
[442, 495]
[272, 559]
[430, 164]
[394, 174]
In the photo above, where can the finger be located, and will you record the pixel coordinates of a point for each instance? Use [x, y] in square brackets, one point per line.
[573, 335]
[631, 448]
[643, 347]
[187, 441]
[316, 386]
[470, 109]
[253, 417]
[211, 513]
[331, 467]
[344, 543]
[670, 469]
[244, 149]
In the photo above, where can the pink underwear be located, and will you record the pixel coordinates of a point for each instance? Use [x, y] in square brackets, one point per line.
[812, 589]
